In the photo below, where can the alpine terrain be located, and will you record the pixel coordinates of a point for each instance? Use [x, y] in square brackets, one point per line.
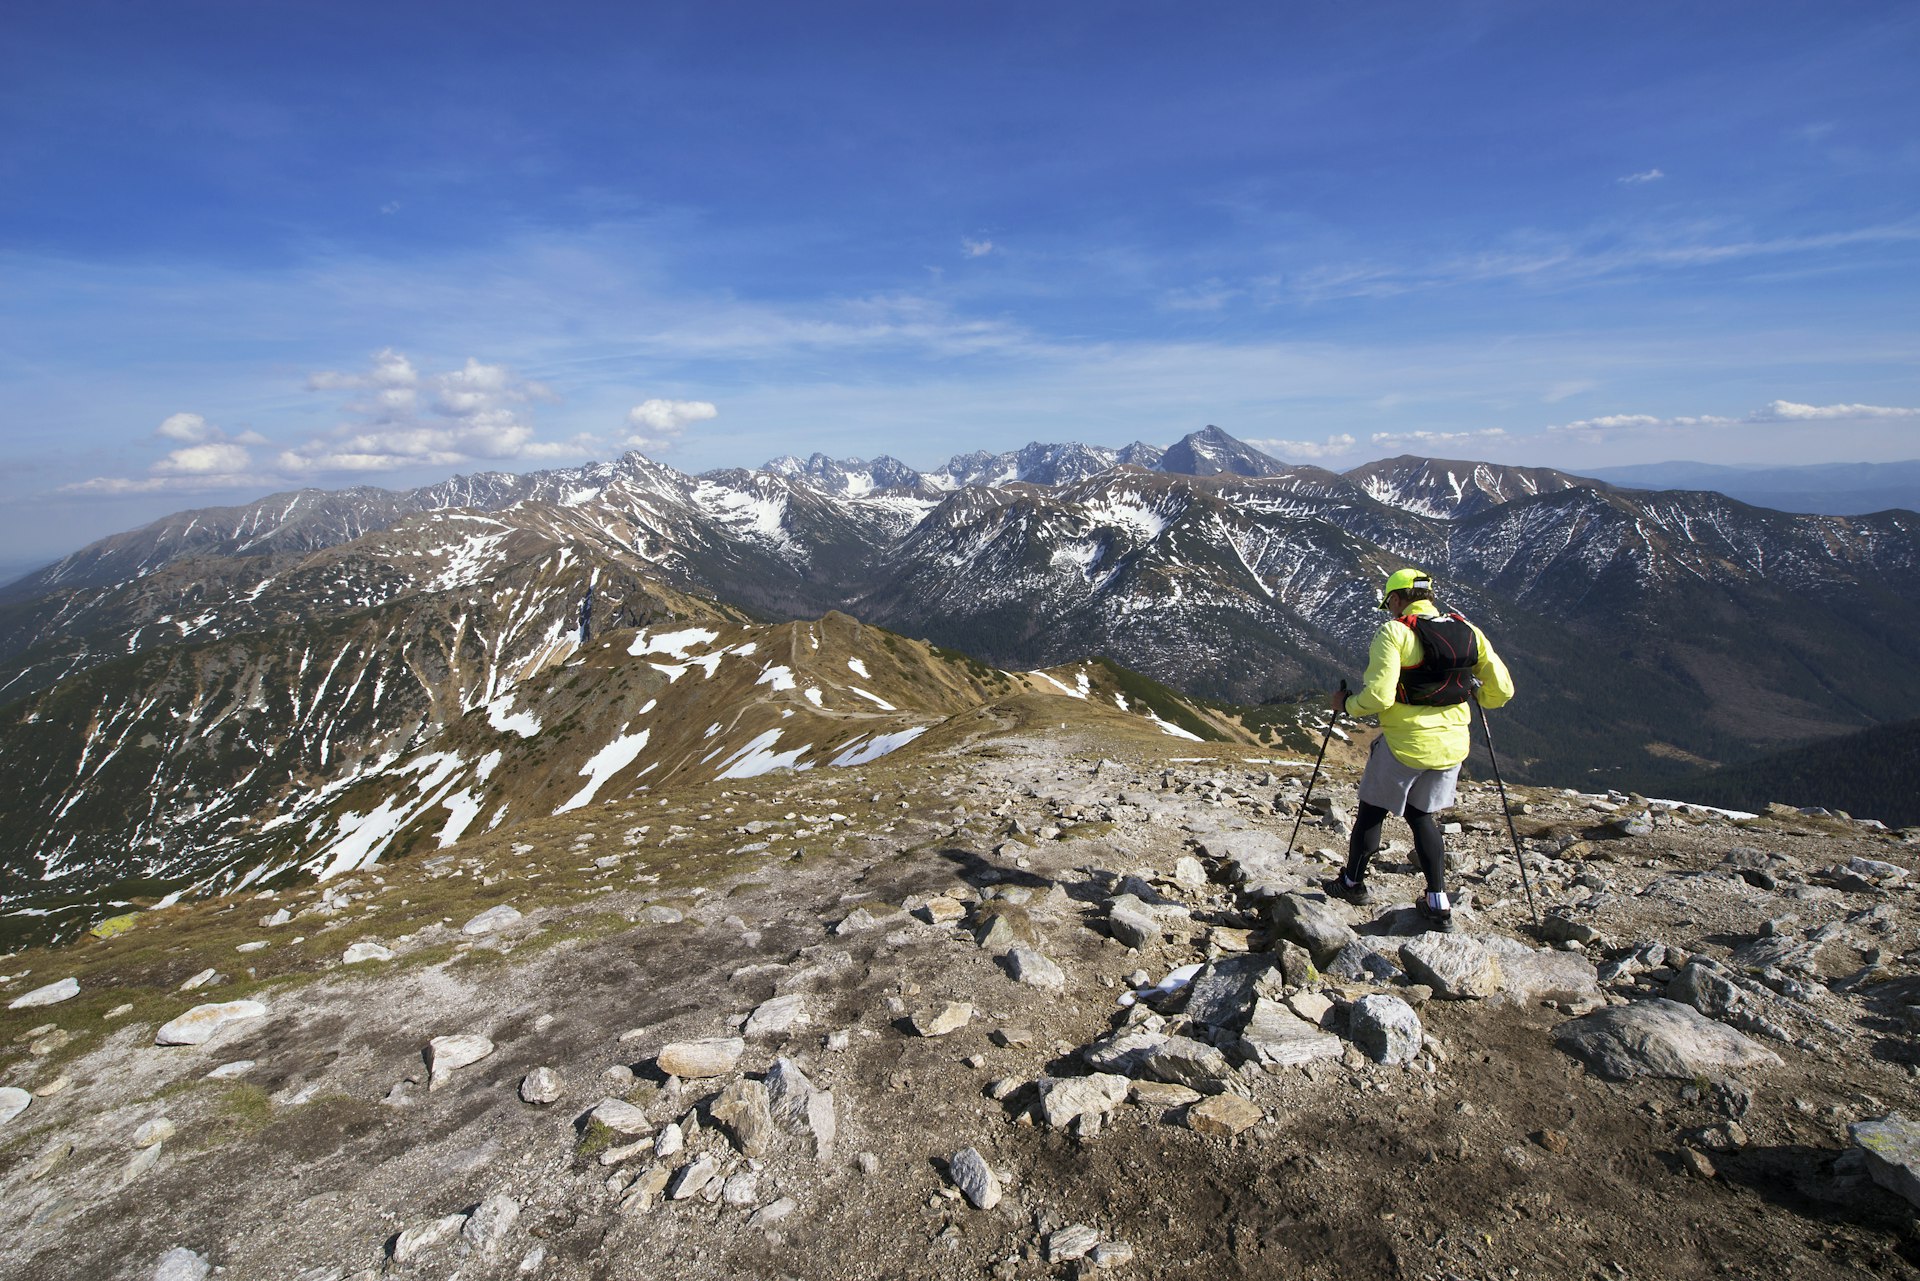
[832, 870]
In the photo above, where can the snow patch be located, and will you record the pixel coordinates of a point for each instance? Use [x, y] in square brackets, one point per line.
[758, 758]
[604, 764]
[874, 698]
[674, 643]
[778, 677]
[813, 696]
[859, 668]
[859, 753]
[501, 716]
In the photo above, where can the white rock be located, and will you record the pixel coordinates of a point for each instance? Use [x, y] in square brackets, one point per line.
[768, 1215]
[181, 1264]
[742, 1189]
[487, 1227]
[366, 952]
[672, 1138]
[256, 946]
[494, 918]
[13, 1101]
[51, 994]
[948, 1017]
[143, 1161]
[199, 980]
[447, 1054]
[975, 1178]
[158, 1130]
[692, 1179]
[622, 1116]
[716, 1056]
[278, 918]
[422, 1237]
[228, 1071]
[542, 1085]
[201, 1023]
[778, 1016]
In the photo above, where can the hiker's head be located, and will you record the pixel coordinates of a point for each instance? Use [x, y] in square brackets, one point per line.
[1404, 587]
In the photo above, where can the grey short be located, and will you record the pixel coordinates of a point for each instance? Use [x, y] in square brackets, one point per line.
[1393, 785]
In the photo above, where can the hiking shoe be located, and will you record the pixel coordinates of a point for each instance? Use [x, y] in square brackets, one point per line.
[1347, 892]
[1438, 920]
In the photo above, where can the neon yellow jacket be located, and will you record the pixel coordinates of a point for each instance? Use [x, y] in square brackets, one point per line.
[1423, 737]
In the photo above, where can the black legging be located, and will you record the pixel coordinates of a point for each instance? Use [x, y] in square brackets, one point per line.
[1428, 846]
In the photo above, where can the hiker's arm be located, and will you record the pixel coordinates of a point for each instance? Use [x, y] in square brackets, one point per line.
[1383, 674]
[1496, 683]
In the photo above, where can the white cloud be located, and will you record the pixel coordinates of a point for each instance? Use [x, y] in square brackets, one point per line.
[658, 423]
[213, 459]
[1776, 412]
[1786, 411]
[1331, 447]
[1434, 437]
[975, 248]
[1635, 179]
[186, 427]
[407, 418]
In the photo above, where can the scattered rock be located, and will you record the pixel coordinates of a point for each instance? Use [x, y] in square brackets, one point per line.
[1063, 1100]
[200, 980]
[1892, 1148]
[777, 1017]
[201, 1023]
[1182, 1060]
[1223, 993]
[949, 1017]
[486, 1229]
[13, 1101]
[1385, 1028]
[1111, 1254]
[1278, 1036]
[501, 917]
[1163, 1094]
[181, 1264]
[1122, 1050]
[51, 994]
[448, 1054]
[1455, 966]
[693, 1178]
[621, 1116]
[1658, 1038]
[744, 1113]
[158, 1130]
[768, 1215]
[1131, 923]
[542, 1085]
[715, 1056]
[419, 1239]
[359, 952]
[1024, 965]
[1070, 1243]
[1224, 1115]
[231, 1071]
[975, 1178]
[1313, 925]
[941, 911]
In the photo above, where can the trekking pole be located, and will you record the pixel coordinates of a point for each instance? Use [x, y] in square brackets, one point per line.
[1324, 740]
[1507, 810]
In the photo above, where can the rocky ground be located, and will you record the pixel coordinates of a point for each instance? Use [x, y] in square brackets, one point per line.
[1037, 998]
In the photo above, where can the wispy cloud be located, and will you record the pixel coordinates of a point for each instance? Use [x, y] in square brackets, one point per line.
[1335, 446]
[1775, 412]
[657, 424]
[975, 248]
[207, 458]
[1644, 176]
[1427, 439]
[408, 419]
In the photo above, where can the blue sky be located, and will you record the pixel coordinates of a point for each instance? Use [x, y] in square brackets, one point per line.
[246, 247]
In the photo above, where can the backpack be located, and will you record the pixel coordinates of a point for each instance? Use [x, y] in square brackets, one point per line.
[1450, 652]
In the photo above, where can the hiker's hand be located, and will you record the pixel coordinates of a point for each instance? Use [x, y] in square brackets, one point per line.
[1337, 700]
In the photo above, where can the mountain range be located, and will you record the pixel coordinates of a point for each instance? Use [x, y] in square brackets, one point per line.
[318, 678]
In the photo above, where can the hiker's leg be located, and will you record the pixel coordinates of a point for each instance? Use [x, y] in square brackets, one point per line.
[1364, 843]
[1429, 847]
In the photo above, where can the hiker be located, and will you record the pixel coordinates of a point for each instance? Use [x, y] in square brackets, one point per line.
[1422, 668]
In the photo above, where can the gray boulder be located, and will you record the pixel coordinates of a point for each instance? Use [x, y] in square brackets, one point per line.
[1456, 967]
[1276, 1035]
[1130, 921]
[1024, 965]
[1181, 1060]
[1223, 992]
[1892, 1148]
[1313, 925]
[975, 1178]
[1659, 1038]
[1385, 1028]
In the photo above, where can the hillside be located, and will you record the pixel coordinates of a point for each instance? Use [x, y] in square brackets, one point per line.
[1871, 774]
[1039, 994]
